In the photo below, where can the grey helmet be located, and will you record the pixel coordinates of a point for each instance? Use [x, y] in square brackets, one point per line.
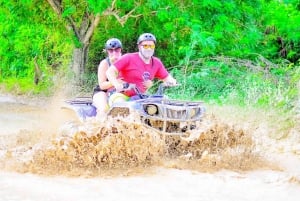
[113, 43]
[146, 37]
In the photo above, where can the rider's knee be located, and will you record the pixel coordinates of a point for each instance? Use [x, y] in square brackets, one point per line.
[117, 97]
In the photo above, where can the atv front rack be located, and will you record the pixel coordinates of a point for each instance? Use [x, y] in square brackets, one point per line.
[171, 117]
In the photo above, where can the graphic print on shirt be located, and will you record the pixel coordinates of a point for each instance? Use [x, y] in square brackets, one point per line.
[146, 76]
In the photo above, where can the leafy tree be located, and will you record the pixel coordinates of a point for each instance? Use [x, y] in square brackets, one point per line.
[282, 22]
[81, 18]
[187, 30]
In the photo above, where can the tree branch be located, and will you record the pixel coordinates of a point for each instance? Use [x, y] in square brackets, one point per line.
[85, 23]
[91, 28]
[57, 7]
[89, 23]
[114, 12]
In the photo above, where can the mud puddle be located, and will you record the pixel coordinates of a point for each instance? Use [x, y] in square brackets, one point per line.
[52, 145]
[47, 155]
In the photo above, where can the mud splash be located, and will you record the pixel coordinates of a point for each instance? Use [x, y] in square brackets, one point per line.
[125, 147]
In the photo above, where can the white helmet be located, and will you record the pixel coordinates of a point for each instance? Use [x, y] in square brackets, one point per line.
[146, 37]
[113, 43]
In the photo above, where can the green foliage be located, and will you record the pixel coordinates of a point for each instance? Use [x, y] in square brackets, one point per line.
[28, 36]
[213, 47]
[282, 22]
[98, 6]
[26, 86]
[229, 80]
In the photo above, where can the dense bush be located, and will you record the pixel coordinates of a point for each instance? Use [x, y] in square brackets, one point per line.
[30, 42]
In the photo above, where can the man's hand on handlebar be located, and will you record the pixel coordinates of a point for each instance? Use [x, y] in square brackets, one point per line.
[170, 81]
[118, 86]
[148, 84]
[170, 84]
[123, 86]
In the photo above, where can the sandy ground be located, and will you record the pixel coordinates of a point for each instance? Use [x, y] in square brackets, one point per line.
[27, 126]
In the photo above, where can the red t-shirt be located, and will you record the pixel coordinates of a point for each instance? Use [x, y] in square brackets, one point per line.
[132, 69]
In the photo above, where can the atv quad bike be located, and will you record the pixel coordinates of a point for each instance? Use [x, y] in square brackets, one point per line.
[169, 117]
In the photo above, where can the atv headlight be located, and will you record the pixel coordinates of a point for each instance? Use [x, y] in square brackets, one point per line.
[151, 109]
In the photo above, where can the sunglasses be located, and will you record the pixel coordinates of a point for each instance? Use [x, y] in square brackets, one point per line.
[117, 50]
[148, 46]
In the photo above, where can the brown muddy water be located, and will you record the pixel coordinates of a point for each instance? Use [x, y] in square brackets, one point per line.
[39, 138]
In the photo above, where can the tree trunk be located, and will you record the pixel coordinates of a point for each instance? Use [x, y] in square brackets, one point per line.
[84, 32]
[79, 61]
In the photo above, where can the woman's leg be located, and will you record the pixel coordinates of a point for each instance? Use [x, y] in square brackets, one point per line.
[117, 97]
[100, 102]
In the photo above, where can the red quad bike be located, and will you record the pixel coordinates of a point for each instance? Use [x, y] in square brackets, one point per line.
[166, 116]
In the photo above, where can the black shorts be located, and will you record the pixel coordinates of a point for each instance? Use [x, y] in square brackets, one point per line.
[98, 89]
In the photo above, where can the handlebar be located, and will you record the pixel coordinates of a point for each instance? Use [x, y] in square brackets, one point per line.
[126, 86]
[159, 92]
[162, 86]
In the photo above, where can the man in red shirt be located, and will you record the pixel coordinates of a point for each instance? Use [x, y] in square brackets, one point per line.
[139, 68]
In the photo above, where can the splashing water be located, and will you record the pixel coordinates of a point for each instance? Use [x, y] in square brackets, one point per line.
[119, 146]
[39, 141]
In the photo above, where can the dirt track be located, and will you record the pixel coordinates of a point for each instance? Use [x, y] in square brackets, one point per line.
[46, 141]
[55, 143]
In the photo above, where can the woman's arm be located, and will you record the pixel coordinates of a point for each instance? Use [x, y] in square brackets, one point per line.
[102, 79]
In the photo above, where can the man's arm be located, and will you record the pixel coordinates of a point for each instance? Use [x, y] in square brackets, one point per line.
[112, 75]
